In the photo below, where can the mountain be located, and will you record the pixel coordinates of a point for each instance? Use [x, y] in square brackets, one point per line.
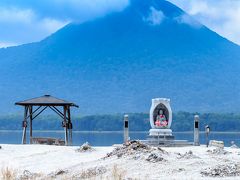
[119, 62]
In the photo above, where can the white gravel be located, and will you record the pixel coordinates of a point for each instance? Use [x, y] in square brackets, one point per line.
[192, 162]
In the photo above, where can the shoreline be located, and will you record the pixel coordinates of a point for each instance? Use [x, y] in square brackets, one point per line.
[177, 132]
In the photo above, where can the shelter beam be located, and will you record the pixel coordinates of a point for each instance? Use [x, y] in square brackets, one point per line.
[40, 112]
[59, 114]
[34, 111]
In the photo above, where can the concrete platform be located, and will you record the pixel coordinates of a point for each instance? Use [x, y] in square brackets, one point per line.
[167, 142]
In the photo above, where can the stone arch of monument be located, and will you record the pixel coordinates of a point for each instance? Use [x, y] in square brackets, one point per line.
[157, 105]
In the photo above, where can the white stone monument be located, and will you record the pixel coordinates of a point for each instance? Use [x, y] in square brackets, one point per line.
[161, 118]
[196, 131]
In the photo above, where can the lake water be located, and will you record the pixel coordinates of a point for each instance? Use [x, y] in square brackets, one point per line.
[109, 138]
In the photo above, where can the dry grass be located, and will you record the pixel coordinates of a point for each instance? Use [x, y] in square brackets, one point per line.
[8, 174]
[91, 173]
[117, 173]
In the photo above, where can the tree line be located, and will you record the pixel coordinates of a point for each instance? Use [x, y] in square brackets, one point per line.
[182, 121]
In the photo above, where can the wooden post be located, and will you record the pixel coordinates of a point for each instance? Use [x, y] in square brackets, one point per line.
[207, 131]
[24, 125]
[30, 116]
[66, 126]
[69, 125]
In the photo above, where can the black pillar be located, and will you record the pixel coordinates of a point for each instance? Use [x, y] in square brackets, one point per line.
[69, 125]
[24, 124]
[65, 124]
[31, 118]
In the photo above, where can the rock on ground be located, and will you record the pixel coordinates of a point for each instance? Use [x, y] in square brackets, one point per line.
[222, 170]
[85, 147]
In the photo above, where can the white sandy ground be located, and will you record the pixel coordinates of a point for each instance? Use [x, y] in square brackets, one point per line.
[47, 160]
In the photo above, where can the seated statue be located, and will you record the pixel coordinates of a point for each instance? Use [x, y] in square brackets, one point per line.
[161, 120]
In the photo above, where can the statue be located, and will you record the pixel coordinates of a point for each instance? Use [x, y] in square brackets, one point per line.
[161, 120]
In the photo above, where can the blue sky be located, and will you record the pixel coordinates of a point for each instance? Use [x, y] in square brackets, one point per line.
[25, 21]
[222, 16]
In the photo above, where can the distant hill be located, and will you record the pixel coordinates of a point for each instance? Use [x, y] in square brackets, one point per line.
[119, 62]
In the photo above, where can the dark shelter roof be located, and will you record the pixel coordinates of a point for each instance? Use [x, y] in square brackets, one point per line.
[45, 100]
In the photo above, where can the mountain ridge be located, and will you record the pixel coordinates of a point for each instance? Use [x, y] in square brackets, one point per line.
[119, 62]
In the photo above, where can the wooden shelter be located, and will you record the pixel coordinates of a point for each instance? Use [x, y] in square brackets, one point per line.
[34, 107]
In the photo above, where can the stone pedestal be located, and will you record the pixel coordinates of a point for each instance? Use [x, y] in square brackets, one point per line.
[160, 132]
